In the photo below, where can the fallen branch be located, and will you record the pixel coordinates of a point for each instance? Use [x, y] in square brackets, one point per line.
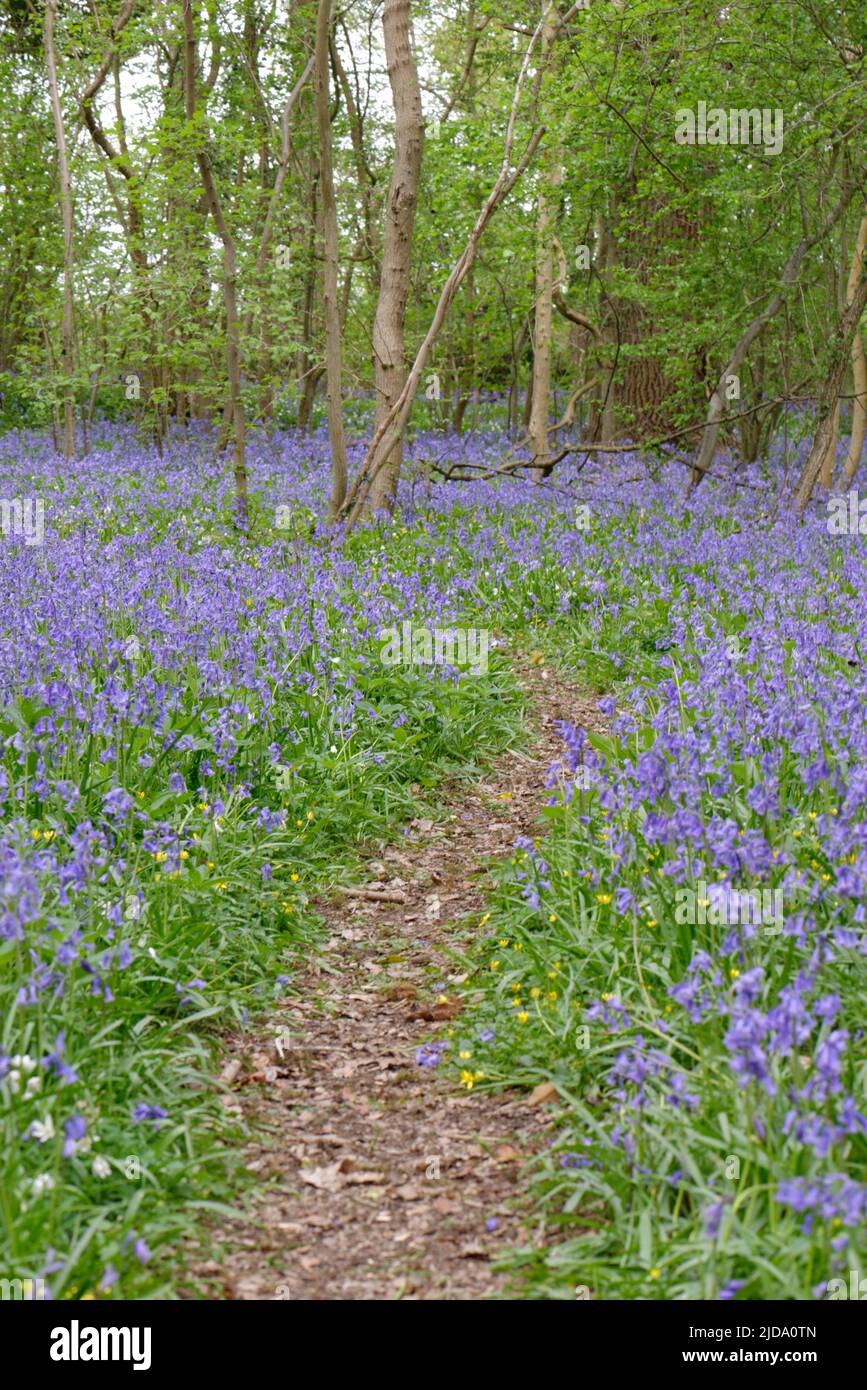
[375, 895]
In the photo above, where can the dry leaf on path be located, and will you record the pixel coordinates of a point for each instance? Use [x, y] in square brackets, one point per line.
[332, 1176]
[545, 1091]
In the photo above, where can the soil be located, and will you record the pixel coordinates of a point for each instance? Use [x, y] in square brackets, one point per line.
[381, 1179]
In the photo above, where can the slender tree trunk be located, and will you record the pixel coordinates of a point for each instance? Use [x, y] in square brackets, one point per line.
[840, 352]
[859, 363]
[826, 472]
[390, 431]
[230, 272]
[265, 238]
[388, 329]
[710, 434]
[66, 210]
[543, 324]
[333, 366]
[308, 374]
[602, 422]
[365, 175]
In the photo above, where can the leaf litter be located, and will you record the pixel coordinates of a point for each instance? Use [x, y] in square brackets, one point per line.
[384, 1182]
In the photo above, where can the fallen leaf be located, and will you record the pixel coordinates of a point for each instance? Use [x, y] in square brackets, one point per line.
[329, 1178]
[444, 1206]
[407, 1192]
[436, 1013]
[506, 1154]
[545, 1091]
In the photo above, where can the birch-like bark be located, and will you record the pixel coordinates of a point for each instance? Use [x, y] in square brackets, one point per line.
[68, 242]
[333, 364]
[840, 352]
[543, 321]
[390, 431]
[230, 270]
[389, 367]
[859, 363]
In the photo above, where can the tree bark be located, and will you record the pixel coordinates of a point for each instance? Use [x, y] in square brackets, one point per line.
[230, 271]
[267, 232]
[829, 400]
[68, 244]
[388, 329]
[392, 427]
[543, 321]
[308, 373]
[710, 434]
[826, 472]
[859, 364]
[333, 364]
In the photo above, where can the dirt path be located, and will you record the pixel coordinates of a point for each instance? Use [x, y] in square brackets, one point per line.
[392, 1184]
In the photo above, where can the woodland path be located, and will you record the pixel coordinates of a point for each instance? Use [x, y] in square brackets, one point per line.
[385, 1175]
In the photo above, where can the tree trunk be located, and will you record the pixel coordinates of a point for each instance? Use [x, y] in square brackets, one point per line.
[710, 434]
[543, 322]
[230, 273]
[840, 352]
[602, 422]
[66, 209]
[333, 366]
[826, 472]
[859, 363]
[388, 329]
[391, 430]
[307, 372]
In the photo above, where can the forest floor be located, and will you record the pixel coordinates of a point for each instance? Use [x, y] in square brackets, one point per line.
[384, 1181]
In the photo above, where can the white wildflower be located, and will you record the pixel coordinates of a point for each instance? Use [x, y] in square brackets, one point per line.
[43, 1130]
